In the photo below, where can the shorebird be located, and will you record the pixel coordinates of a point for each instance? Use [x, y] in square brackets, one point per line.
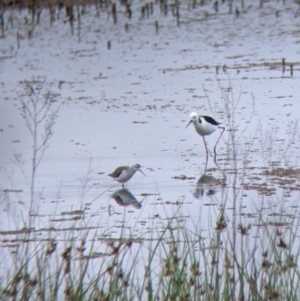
[123, 174]
[204, 126]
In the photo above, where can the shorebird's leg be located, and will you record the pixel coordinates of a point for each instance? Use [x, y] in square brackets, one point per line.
[215, 147]
[123, 185]
[206, 165]
[205, 149]
[216, 162]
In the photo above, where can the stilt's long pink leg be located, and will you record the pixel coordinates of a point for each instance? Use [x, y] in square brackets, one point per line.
[205, 148]
[215, 147]
[206, 164]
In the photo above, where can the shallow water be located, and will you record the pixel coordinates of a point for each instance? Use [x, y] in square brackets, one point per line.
[130, 104]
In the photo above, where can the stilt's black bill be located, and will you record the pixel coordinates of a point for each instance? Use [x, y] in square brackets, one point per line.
[189, 123]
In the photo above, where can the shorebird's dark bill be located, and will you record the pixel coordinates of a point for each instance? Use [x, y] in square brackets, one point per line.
[188, 123]
[142, 172]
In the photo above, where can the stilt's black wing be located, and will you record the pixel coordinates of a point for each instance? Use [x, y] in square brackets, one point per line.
[210, 120]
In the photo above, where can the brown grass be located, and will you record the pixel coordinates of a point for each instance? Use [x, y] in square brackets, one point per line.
[47, 3]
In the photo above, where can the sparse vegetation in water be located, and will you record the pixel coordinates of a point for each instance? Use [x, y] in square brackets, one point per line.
[39, 113]
[176, 264]
[73, 11]
[238, 257]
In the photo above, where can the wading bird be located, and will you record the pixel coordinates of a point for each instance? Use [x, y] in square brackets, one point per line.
[204, 126]
[123, 174]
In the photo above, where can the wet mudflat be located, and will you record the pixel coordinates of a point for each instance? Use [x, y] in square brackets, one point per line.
[124, 93]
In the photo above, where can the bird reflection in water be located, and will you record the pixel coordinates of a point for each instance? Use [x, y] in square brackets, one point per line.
[124, 197]
[208, 185]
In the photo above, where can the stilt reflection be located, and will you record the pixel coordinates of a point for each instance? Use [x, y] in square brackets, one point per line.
[207, 185]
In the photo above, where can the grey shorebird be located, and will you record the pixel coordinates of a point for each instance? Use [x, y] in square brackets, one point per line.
[123, 174]
[204, 126]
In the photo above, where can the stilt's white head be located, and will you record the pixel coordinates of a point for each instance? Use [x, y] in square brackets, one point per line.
[193, 118]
